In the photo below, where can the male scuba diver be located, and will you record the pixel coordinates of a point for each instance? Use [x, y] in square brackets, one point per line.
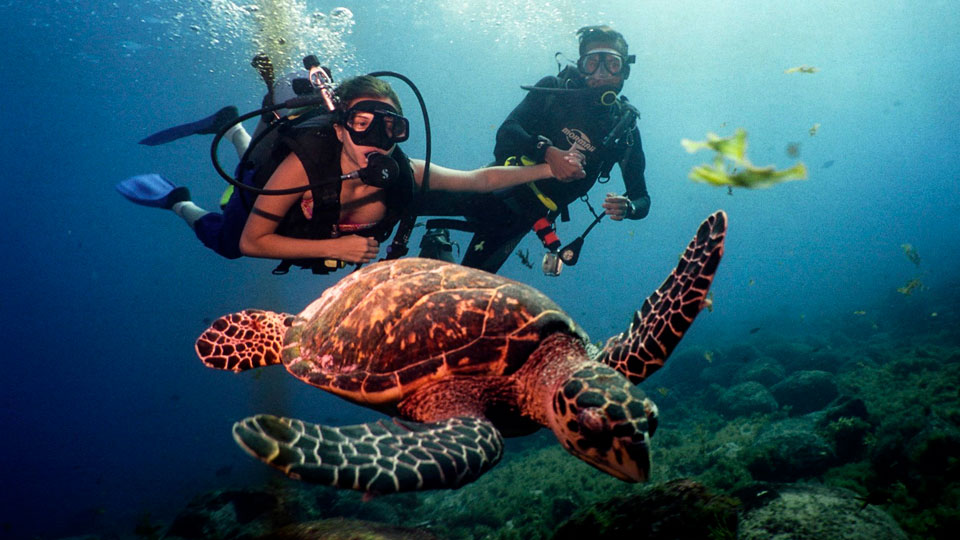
[580, 111]
[335, 187]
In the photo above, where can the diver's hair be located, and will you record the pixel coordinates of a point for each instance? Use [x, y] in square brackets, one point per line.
[601, 34]
[366, 86]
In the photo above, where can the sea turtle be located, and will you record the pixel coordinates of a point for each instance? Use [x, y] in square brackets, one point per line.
[459, 357]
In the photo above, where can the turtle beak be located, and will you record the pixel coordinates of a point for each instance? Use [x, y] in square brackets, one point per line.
[626, 457]
[627, 460]
[603, 419]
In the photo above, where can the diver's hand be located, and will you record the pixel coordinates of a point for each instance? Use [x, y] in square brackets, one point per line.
[616, 206]
[356, 249]
[565, 165]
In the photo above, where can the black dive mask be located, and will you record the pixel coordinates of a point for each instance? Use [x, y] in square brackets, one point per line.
[375, 123]
[612, 61]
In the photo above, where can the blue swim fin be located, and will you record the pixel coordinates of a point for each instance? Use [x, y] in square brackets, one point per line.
[152, 190]
[209, 125]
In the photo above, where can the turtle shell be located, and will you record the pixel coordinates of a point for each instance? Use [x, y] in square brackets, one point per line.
[394, 326]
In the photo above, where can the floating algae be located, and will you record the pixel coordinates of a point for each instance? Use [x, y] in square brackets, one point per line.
[745, 174]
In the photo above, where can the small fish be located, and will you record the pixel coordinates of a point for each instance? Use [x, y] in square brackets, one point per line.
[913, 285]
[911, 254]
[729, 190]
[827, 164]
[708, 356]
[802, 69]
[663, 390]
[755, 330]
[479, 246]
[708, 302]
[813, 129]
[793, 149]
[860, 312]
[223, 471]
[524, 255]
[751, 283]
[631, 234]
[934, 314]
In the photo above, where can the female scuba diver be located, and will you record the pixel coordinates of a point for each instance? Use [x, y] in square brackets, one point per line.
[344, 186]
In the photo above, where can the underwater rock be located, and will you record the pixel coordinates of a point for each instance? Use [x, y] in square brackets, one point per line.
[828, 360]
[791, 355]
[765, 371]
[346, 529]
[285, 511]
[720, 372]
[934, 450]
[920, 450]
[847, 407]
[741, 353]
[789, 450]
[678, 509]
[806, 391]
[848, 424]
[745, 399]
[682, 371]
[814, 512]
[224, 514]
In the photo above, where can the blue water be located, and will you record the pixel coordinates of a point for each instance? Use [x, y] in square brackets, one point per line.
[105, 412]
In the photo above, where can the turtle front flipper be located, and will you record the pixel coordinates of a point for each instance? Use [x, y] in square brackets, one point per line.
[669, 311]
[240, 341]
[378, 457]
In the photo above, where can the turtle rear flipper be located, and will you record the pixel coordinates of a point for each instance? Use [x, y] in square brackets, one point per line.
[240, 341]
[378, 457]
[669, 311]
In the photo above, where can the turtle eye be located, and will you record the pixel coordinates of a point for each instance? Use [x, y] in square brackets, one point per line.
[592, 420]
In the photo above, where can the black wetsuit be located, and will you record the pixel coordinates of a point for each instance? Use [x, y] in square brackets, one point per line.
[501, 219]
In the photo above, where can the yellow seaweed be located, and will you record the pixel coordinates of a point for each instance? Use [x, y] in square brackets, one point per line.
[745, 174]
[733, 147]
[750, 177]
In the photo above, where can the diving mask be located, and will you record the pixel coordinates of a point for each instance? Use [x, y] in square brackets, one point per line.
[375, 123]
[612, 61]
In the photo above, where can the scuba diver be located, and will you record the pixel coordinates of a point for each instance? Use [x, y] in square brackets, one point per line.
[332, 189]
[579, 110]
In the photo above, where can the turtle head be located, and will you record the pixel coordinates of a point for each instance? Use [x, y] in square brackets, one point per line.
[603, 419]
